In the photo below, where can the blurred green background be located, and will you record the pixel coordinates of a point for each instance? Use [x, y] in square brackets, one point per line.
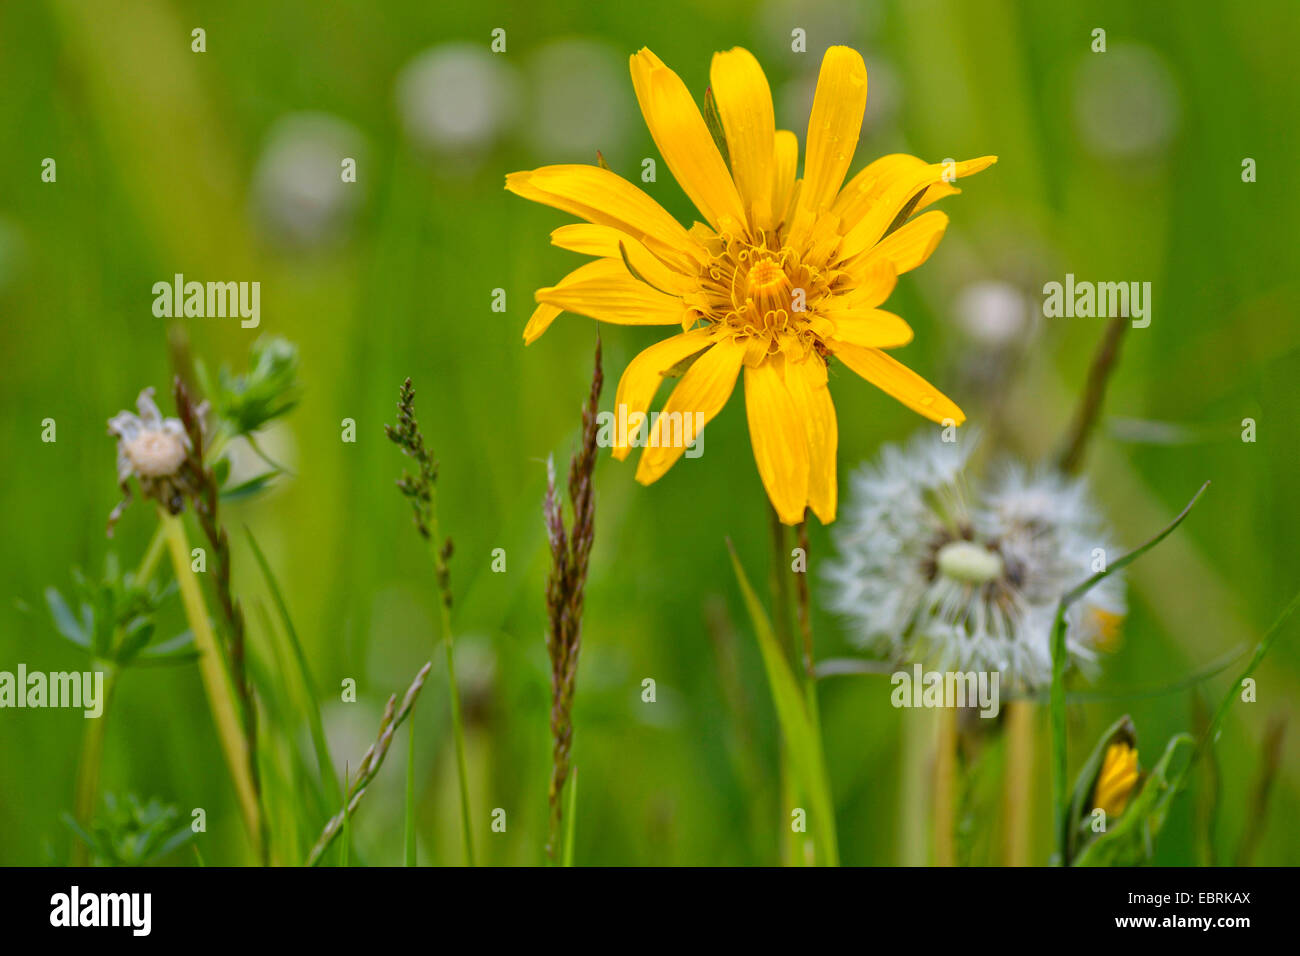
[223, 165]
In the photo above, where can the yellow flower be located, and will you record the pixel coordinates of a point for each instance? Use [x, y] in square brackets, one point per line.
[786, 273]
[1119, 774]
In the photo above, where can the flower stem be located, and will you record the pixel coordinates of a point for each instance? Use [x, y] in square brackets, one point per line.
[800, 648]
[92, 759]
[1017, 806]
[92, 746]
[913, 787]
[216, 680]
[457, 723]
[945, 788]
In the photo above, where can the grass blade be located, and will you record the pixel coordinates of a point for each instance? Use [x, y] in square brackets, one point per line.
[307, 686]
[410, 796]
[1059, 757]
[797, 728]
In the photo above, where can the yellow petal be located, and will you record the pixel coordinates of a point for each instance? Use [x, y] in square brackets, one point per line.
[857, 193]
[540, 321]
[606, 291]
[701, 394]
[910, 245]
[745, 105]
[685, 142]
[1117, 778]
[889, 194]
[611, 243]
[641, 378]
[779, 439]
[872, 282]
[833, 129]
[870, 328]
[806, 382]
[898, 381]
[600, 196]
[784, 167]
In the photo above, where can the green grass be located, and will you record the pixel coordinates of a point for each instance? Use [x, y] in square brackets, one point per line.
[157, 150]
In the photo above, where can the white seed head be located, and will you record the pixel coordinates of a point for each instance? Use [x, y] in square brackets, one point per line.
[965, 573]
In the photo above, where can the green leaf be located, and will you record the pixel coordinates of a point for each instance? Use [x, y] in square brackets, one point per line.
[1122, 729]
[797, 727]
[135, 636]
[64, 621]
[307, 686]
[1127, 841]
[246, 489]
[714, 120]
[176, 650]
[1059, 754]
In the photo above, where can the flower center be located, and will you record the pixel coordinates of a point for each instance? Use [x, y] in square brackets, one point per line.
[154, 454]
[768, 287]
[969, 563]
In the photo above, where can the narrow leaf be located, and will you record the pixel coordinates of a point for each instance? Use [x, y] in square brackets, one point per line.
[797, 728]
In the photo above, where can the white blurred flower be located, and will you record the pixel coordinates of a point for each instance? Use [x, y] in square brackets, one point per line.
[1126, 101]
[993, 313]
[299, 194]
[579, 99]
[932, 569]
[148, 445]
[456, 98]
[153, 450]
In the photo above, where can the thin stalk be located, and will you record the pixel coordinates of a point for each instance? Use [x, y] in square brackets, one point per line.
[781, 586]
[1060, 743]
[421, 490]
[1104, 362]
[800, 649]
[791, 847]
[157, 544]
[457, 723]
[1017, 807]
[410, 796]
[945, 788]
[92, 747]
[570, 817]
[371, 761]
[805, 614]
[913, 788]
[347, 822]
[92, 759]
[216, 680]
[804, 611]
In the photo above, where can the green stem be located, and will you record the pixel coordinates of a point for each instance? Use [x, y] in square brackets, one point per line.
[216, 680]
[458, 724]
[92, 759]
[1060, 743]
[410, 796]
[945, 788]
[92, 747]
[570, 817]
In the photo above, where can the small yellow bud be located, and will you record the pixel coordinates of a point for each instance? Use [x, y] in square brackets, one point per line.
[1119, 774]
